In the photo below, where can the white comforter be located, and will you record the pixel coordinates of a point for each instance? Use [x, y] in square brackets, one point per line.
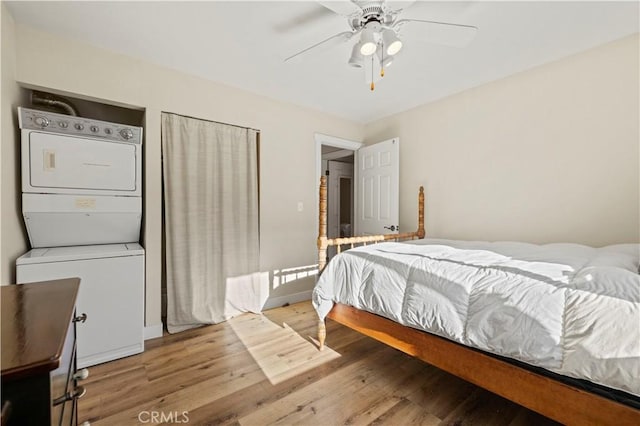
[568, 308]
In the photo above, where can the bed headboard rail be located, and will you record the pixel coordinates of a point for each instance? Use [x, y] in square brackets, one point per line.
[324, 243]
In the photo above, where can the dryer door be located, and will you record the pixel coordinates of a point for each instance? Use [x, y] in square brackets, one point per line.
[67, 164]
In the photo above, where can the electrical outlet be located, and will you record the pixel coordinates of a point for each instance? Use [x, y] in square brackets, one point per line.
[300, 206]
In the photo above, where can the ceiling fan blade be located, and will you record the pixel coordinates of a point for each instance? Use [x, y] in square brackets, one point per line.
[444, 33]
[327, 43]
[310, 17]
[341, 7]
[399, 5]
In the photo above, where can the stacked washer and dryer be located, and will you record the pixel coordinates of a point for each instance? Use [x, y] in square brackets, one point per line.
[82, 206]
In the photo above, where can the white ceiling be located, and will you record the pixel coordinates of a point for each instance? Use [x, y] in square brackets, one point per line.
[243, 44]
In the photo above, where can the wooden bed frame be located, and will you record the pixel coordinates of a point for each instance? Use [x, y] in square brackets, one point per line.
[545, 395]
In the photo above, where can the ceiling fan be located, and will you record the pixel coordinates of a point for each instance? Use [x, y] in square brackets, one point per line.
[379, 27]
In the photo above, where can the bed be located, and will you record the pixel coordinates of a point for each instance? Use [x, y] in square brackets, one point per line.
[555, 328]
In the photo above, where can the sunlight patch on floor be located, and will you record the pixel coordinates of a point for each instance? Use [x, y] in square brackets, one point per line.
[280, 351]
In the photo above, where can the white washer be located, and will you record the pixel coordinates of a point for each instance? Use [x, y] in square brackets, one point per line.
[111, 294]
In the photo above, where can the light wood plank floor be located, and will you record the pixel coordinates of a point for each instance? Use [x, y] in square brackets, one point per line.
[265, 369]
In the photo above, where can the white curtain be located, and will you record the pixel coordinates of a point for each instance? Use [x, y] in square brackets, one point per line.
[211, 215]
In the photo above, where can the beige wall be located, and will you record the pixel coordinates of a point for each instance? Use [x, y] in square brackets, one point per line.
[13, 241]
[287, 170]
[550, 154]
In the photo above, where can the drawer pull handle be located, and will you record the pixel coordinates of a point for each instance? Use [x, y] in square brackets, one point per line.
[80, 318]
[81, 374]
[77, 393]
[6, 412]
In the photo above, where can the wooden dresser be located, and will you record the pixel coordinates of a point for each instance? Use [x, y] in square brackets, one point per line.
[39, 377]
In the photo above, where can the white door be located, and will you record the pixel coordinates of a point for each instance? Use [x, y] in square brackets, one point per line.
[377, 172]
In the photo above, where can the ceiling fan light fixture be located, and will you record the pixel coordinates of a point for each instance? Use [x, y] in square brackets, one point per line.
[368, 48]
[391, 42]
[368, 42]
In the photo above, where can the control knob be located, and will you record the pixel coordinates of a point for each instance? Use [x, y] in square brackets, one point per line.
[41, 121]
[78, 126]
[126, 134]
[63, 124]
[94, 129]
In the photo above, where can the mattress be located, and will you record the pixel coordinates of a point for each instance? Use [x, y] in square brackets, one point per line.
[567, 308]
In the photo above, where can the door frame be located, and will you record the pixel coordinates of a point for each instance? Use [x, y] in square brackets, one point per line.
[322, 139]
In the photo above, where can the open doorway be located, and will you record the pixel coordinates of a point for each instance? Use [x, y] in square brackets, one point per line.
[335, 158]
[338, 167]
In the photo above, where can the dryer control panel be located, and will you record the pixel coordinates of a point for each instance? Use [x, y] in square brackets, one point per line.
[78, 126]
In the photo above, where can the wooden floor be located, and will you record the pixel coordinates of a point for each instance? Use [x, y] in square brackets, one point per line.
[265, 369]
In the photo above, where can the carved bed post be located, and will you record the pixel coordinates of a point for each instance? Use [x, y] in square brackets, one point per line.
[322, 333]
[322, 248]
[322, 223]
[421, 231]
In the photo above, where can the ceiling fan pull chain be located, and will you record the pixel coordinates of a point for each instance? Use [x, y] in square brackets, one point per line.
[382, 60]
[373, 86]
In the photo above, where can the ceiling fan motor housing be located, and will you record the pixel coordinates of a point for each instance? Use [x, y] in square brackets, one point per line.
[372, 11]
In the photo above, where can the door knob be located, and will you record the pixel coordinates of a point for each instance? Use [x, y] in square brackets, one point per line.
[390, 228]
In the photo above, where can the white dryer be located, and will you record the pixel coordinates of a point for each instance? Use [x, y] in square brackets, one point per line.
[82, 206]
[81, 180]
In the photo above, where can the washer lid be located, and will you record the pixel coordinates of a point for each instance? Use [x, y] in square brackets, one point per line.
[64, 254]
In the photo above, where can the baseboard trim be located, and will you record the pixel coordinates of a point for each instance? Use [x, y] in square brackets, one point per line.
[153, 331]
[276, 302]
[91, 360]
